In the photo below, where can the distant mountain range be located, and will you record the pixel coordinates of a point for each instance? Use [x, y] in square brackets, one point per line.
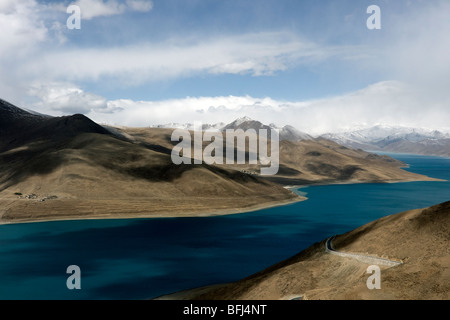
[378, 138]
[395, 139]
[71, 167]
[288, 132]
[303, 158]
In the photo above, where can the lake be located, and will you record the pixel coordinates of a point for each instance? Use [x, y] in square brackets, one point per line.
[145, 258]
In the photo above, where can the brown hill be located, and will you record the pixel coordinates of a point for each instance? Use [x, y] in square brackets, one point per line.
[419, 238]
[304, 162]
[70, 167]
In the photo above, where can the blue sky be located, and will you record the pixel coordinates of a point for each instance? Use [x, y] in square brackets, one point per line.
[326, 22]
[312, 64]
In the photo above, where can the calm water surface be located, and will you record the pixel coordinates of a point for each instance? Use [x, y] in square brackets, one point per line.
[144, 258]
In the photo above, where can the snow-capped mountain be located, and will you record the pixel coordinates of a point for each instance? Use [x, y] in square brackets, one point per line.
[395, 139]
[246, 123]
[292, 134]
[286, 133]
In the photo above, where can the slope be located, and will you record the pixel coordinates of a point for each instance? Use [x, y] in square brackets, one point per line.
[419, 238]
[302, 162]
[70, 167]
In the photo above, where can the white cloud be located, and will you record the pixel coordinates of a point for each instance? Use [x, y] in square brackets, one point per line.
[413, 50]
[98, 8]
[34, 51]
[22, 32]
[103, 8]
[58, 30]
[389, 103]
[65, 98]
[21, 27]
[256, 54]
[7, 6]
[415, 46]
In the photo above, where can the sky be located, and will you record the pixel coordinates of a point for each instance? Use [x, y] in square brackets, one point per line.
[313, 64]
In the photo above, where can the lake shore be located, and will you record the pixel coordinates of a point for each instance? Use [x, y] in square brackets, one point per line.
[181, 212]
[33, 211]
[411, 239]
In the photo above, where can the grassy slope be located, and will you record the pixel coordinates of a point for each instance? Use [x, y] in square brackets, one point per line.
[419, 237]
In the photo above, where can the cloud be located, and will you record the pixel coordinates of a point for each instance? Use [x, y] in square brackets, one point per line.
[21, 26]
[414, 45]
[22, 32]
[36, 49]
[255, 53]
[65, 98]
[103, 8]
[388, 102]
[42, 65]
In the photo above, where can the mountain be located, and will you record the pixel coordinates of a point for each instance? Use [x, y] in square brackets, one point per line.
[290, 133]
[304, 161]
[395, 139]
[324, 161]
[71, 168]
[285, 133]
[417, 238]
[246, 123]
[19, 127]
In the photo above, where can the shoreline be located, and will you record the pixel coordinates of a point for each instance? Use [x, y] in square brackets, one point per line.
[172, 215]
[375, 256]
[326, 183]
[213, 212]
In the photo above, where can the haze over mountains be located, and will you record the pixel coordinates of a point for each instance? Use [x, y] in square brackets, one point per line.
[395, 139]
[286, 133]
[378, 138]
[71, 167]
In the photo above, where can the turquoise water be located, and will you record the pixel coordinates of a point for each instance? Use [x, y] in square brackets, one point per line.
[144, 258]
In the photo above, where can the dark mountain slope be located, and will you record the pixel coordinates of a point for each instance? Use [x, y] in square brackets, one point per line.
[19, 127]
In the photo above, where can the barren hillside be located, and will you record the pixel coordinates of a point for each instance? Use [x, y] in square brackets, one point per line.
[419, 238]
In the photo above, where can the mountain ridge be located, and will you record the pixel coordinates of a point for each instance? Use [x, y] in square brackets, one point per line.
[286, 132]
[19, 127]
[395, 139]
[69, 167]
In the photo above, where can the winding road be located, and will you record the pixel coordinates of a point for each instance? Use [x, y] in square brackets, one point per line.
[360, 257]
[371, 260]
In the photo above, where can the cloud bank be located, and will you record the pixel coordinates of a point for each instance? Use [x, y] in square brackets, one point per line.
[42, 69]
[388, 103]
[255, 54]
